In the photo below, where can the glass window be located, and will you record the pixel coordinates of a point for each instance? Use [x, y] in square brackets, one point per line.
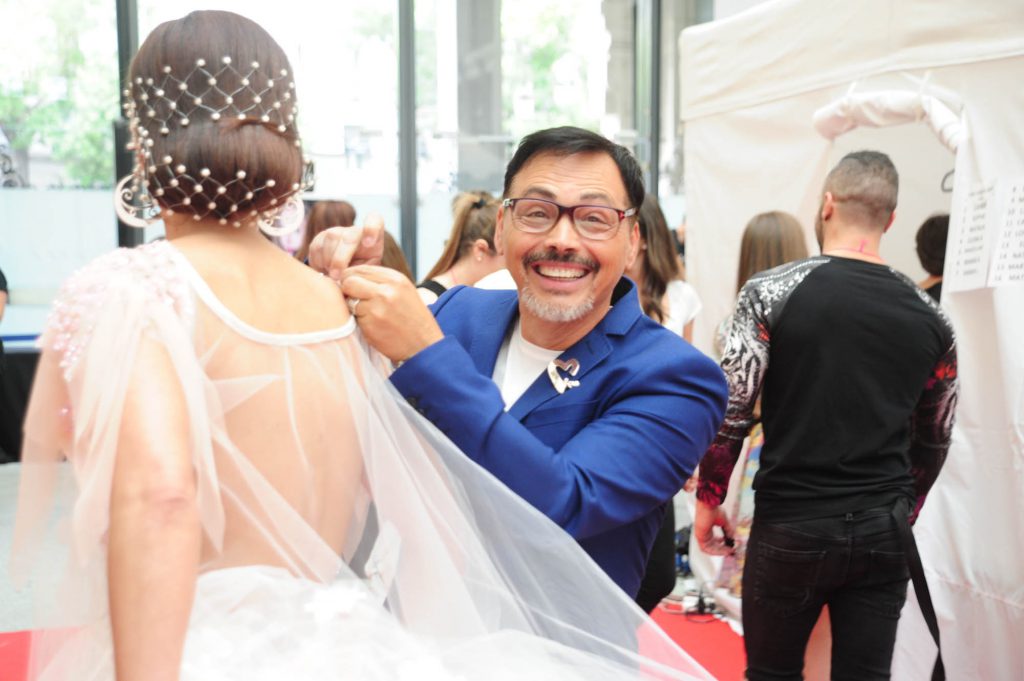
[489, 72]
[675, 16]
[58, 101]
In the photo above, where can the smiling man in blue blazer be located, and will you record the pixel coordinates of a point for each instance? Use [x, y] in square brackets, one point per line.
[563, 389]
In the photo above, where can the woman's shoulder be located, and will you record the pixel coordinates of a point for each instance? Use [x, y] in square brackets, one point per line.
[122, 263]
[321, 292]
[121, 283]
[684, 303]
[151, 271]
[682, 290]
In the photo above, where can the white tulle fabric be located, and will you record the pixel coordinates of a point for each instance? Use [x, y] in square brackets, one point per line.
[344, 537]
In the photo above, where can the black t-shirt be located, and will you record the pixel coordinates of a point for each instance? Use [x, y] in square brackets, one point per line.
[856, 369]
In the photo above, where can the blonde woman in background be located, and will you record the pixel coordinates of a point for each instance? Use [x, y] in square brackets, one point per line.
[469, 253]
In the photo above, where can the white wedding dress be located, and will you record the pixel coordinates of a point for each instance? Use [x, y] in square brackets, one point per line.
[343, 536]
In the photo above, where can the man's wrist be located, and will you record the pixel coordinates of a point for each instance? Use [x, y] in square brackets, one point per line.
[408, 355]
[709, 494]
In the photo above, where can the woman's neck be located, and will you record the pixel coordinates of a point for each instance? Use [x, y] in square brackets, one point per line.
[209, 239]
[462, 273]
[448, 278]
[181, 226]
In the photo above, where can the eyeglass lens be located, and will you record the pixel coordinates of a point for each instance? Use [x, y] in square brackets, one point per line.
[534, 215]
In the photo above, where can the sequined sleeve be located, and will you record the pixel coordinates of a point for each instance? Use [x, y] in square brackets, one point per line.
[745, 361]
[931, 425]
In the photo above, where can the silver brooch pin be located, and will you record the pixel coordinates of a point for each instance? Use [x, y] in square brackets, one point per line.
[561, 383]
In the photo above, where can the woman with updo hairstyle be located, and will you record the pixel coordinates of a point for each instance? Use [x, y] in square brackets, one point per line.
[322, 215]
[219, 482]
[469, 254]
[215, 135]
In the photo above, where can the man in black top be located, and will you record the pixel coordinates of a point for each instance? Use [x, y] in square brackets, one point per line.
[856, 370]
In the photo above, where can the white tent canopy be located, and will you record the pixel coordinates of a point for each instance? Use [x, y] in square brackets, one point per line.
[914, 79]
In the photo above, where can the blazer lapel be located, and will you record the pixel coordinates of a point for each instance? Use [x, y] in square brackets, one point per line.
[491, 327]
[589, 351]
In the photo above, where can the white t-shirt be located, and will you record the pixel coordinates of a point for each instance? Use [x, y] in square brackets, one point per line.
[683, 306]
[519, 364]
[499, 280]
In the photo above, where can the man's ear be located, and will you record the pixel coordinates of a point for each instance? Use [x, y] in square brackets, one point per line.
[499, 232]
[828, 206]
[892, 218]
[634, 243]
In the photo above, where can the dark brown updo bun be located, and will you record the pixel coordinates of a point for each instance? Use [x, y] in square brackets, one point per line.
[212, 101]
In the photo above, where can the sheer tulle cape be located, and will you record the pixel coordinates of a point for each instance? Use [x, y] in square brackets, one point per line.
[319, 488]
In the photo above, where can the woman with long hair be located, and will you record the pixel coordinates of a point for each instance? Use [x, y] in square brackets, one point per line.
[239, 492]
[667, 299]
[322, 215]
[769, 240]
[469, 254]
[664, 296]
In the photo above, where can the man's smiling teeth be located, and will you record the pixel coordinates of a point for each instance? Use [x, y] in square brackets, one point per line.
[560, 272]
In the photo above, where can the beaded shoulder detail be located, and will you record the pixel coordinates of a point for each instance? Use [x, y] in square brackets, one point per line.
[149, 274]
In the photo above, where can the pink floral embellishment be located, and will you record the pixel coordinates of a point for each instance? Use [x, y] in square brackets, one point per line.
[150, 269]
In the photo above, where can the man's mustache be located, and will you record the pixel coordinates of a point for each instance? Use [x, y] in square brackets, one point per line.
[554, 256]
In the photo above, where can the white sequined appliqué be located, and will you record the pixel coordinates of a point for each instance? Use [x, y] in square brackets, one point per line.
[149, 270]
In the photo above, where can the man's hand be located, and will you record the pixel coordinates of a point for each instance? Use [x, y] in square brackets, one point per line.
[390, 313]
[705, 519]
[337, 248]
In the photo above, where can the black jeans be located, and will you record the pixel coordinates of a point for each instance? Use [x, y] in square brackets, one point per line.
[853, 563]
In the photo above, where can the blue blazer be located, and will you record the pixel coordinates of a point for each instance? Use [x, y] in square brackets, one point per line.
[601, 459]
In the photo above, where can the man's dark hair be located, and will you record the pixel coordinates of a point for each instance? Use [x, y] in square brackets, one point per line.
[867, 183]
[568, 140]
[931, 243]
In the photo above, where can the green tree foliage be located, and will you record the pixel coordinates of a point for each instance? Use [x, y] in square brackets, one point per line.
[58, 87]
[544, 63]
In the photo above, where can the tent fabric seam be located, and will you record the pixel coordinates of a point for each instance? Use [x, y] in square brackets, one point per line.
[690, 113]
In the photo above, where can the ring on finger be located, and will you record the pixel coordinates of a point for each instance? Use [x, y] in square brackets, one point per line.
[353, 303]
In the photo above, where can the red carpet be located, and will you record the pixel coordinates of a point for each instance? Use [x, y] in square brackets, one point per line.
[714, 644]
[13, 656]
